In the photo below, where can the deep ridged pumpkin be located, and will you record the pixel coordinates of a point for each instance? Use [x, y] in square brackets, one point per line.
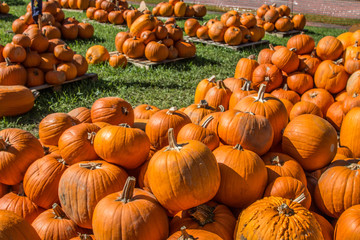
[240, 168]
[311, 154]
[41, 180]
[19, 149]
[113, 110]
[235, 127]
[276, 214]
[212, 217]
[135, 214]
[134, 47]
[217, 31]
[309, 63]
[176, 194]
[122, 145]
[84, 184]
[285, 93]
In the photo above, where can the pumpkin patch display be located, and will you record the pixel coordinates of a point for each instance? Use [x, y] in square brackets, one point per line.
[178, 8]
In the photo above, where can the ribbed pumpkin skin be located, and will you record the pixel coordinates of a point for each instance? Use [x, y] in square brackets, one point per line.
[282, 165]
[123, 146]
[262, 220]
[113, 110]
[197, 112]
[245, 68]
[290, 188]
[337, 188]
[198, 234]
[141, 218]
[286, 60]
[353, 84]
[145, 111]
[80, 189]
[218, 95]
[331, 76]
[302, 107]
[14, 227]
[350, 130]
[271, 108]
[159, 124]
[18, 149]
[347, 227]
[21, 205]
[320, 97]
[41, 180]
[15, 100]
[326, 228]
[50, 227]
[82, 114]
[142, 23]
[76, 144]
[221, 223]
[203, 87]
[303, 43]
[253, 132]
[243, 176]
[311, 140]
[174, 176]
[267, 74]
[329, 48]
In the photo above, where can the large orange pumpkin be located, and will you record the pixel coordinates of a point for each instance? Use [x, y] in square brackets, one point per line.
[350, 130]
[245, 67]
[320, 97]
[311, 154]
[97, 54]
[181, 193]
[16, 100]
[347, 226]
[203, 87]
[329, 48]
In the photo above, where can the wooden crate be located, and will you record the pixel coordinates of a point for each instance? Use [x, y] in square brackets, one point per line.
[145, 63]
[73, 10]
[222, 44]
[87, 76]
[285, 34]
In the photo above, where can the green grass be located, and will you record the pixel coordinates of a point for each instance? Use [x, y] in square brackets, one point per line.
[163, 86]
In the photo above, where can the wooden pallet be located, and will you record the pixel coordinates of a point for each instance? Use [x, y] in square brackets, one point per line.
[87, 76]
[285, 34]
[222, 44]
[144, 63]
[73, 10]
[179, 18]
[121, 27]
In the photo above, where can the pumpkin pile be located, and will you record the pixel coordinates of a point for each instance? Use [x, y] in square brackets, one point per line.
[178, 8]
[232, 29]
[76, 4]
[4, 8]
[53, 23]
[154, 40]
[273, 18]
[115, 13]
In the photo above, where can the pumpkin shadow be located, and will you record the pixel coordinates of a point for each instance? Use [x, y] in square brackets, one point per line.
[94, 39]
[16, 2]
[9, 18]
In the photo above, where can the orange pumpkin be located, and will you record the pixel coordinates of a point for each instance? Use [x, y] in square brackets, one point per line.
[97, 54]
[320, 97]
[303, 107]
[344, 230]
[329, 48]
[350, 130]
[245, 67]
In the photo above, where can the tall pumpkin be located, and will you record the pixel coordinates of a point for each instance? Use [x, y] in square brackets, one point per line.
[113, 110]
[159, 124]
[270, 218]
[311, 154]
[181, 193]
[133, 214]
[268, 106]
[245, 67]
[18, 149]
[350, 130]
[202, 88]
[240, 168]
[84, 184]
[122, 145]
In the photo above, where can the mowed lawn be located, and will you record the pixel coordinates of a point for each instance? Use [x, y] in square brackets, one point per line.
[163, 86]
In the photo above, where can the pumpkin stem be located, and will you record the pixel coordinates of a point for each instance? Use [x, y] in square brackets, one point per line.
[261, 93]
[252, 56]
[220, 84]
[128, 190]
[46, 149]
[354, 166]
[171, 111]
[356, 43]
[267, 79]
[91, 137]
[285, 87]
[238, 147]
[91, 165]
[148, 107]
[293, 49]
[84, 236]
[207, 121]
[212, 79]
[300, 198]
[21, 190]
[173, 146]
[58, 212]
[276, 161]
[285, 209]
[125, 125]
[185, 235]
[338, 62]
[61, 160]
[54, 67]
[125, 111]
[357, 56]
[221, 108]
[246, 86]
[4, 144]
[8, 62]
[271, 47]
[202, 104]
[313, 95]
[202, 214]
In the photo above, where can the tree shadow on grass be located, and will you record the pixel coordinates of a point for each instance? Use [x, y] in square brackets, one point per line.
[15, 2]
[9, 18]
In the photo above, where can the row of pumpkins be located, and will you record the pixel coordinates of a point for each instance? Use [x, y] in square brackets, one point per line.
[53, 23]
[197, 169]
[4, 8]
[85, 4]
[151, 38]
[225, 30]
[178, 8]
[278, 18]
